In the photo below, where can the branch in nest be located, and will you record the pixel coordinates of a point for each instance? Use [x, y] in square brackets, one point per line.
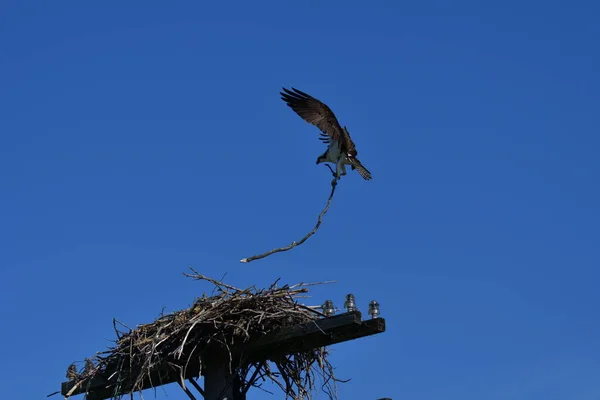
[309, 234]
[218, 284]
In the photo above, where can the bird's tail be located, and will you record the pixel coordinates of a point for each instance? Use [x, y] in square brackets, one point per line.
[360, 169]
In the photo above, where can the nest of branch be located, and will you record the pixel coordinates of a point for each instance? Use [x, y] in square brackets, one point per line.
[225, 323]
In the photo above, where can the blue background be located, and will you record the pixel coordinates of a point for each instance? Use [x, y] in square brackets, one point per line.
[140, 138]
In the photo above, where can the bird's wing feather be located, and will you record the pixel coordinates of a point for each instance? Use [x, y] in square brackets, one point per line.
[350, 148]
[314, 112]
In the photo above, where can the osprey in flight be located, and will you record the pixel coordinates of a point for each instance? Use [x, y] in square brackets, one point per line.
[340, 149]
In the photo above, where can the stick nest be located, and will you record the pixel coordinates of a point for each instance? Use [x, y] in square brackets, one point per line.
[223, 323]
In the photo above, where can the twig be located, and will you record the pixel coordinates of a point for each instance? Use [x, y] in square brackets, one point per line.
[309, 234]
[217, 283]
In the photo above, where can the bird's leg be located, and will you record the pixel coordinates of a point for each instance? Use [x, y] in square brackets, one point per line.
[343, 169]
[338, 169]
[335, 179]
[331, 169]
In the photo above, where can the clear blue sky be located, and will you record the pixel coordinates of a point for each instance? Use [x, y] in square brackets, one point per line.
[140, 139]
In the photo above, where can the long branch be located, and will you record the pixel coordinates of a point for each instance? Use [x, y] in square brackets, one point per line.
[309, 234]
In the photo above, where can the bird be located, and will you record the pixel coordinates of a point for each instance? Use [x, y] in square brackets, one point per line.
[72, 373]
[89, 367]
[341, 150]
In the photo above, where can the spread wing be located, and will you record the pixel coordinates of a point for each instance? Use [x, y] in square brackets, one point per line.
[315, 112]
